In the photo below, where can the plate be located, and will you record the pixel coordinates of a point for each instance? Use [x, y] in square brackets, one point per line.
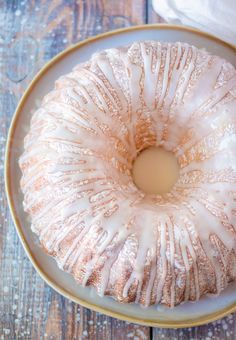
[188, 314]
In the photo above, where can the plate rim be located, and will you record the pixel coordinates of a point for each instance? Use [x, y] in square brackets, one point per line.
[152, 323]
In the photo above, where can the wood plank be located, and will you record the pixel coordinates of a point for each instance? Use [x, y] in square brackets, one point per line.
[31, 33]
[219, 330]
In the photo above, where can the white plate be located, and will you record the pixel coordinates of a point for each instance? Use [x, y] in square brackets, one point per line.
[188, 314]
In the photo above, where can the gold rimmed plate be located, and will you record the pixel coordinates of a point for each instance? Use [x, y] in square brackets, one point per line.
[185, 315]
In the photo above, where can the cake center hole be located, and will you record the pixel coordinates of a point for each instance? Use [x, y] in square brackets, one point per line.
[155, 170]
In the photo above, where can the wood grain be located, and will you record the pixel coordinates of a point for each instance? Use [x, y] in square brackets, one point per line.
[31, 33]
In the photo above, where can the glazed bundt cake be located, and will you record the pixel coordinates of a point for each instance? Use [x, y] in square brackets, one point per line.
[77, 173]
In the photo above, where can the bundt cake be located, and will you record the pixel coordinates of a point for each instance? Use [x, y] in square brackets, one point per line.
[77, 173]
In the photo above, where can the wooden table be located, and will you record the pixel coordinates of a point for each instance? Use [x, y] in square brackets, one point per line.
[31, 33]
